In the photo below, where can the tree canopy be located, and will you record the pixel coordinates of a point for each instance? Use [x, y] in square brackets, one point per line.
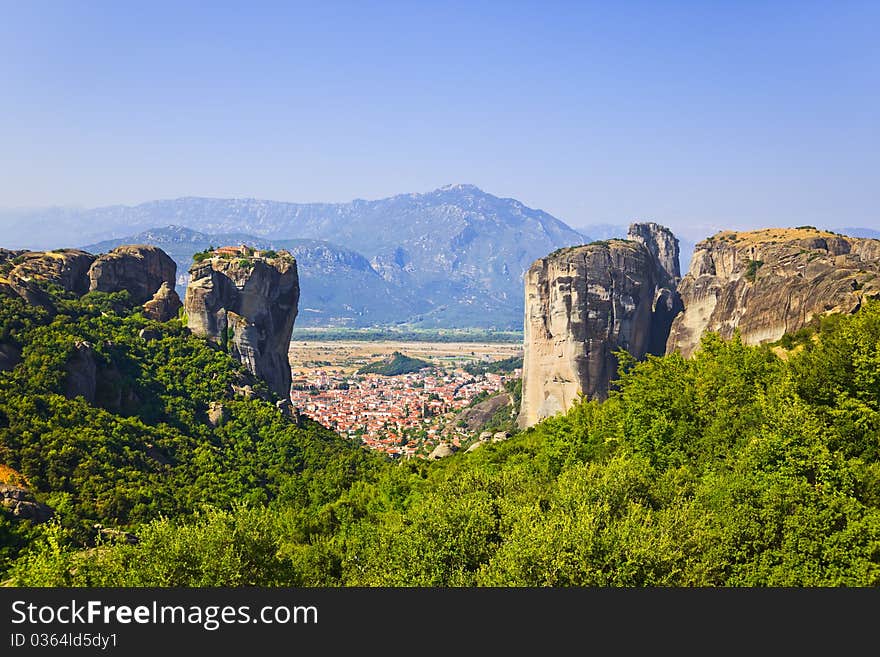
[736, 467]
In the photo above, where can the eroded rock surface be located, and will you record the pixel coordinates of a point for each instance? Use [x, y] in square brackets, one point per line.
[138, 268]
[767, 283]
[584, 303]
[144, 271]
[164, 304]
[248, 306]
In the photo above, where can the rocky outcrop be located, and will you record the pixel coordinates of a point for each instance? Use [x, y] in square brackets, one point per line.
[21, 504]
[771, 282]
[247, 305]
[140, 269]
[218, 413]
[117, 535]
[584, 303]
[82, 373]
[164, 304]
[68, 268]
[667, 304]
[663, 245]
[480, 413]
[149, 334]
[288, 410]
[10, 356]
[146, 272]
[26, 272]
[8, 254]
[441, 451]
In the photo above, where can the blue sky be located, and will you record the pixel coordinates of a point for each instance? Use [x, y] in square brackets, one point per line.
[688, 113]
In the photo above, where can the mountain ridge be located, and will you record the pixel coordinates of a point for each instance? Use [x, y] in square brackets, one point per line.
[451, 257]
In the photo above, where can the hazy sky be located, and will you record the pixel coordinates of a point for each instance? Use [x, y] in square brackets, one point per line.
[688, 113]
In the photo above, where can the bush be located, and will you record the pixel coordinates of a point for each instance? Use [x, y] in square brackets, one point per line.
[752, 267]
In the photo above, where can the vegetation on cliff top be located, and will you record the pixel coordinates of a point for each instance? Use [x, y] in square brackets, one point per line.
[766, 236]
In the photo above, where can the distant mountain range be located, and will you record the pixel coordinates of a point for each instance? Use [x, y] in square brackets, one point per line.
[338, 287]
[453, 257]
[861, 232]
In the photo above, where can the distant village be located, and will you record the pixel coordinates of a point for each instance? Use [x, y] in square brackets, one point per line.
[402, 416]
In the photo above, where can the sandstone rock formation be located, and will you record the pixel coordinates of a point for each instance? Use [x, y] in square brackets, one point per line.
[140, 269]
[663, 245]
[585, 302]
[441, 451]
[480, 413]
[770, 282]
[218, 413]
[144, 271]
[82, 373]
[248, 306]
[25, 271]
[20, 503]
[164, 304]
[288, 410]
[68, 268]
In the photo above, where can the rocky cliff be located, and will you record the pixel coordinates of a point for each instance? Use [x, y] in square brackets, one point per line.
[164, 304]
[770, 282]
[139, 269]
[582, 304]
[247, 304]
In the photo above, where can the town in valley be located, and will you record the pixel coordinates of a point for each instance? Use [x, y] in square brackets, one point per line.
[403, 415]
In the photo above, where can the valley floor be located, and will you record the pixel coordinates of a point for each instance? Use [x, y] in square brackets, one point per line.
[404, 415]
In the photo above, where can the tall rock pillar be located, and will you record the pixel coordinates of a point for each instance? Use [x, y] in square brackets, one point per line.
[247, 303]
[584, 303]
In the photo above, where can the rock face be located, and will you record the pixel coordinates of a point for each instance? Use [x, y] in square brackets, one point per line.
[10, 356]
[441, 451]
[218, 413]
[164, 304]
[20, 503]
[479, 414]
[770, 282]
[82, 373]
[68, 268]
[247, 305]
[663, 245]
[140, 269]
[145, 271]
[582, 304]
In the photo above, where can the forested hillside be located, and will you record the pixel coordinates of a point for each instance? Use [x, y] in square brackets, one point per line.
[164, 433]
[740, 466]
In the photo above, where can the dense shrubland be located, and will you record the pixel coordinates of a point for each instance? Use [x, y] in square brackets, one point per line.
[736, 467]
